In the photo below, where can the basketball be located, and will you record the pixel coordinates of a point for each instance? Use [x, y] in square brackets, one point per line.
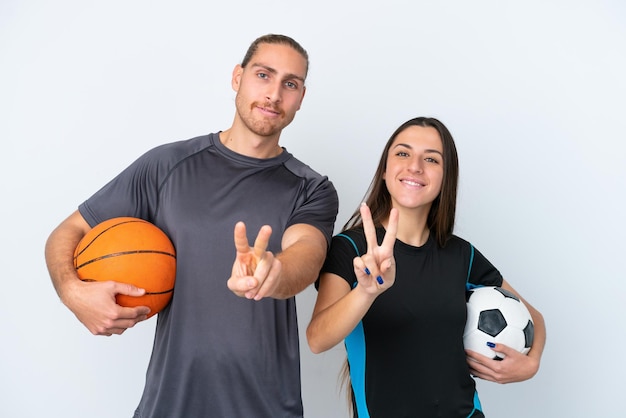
[129, 250]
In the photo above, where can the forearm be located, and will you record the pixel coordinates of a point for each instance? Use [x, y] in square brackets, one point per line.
[539, 326]
[301, 262]
[539, 340]
[59, 251]
[330, 326]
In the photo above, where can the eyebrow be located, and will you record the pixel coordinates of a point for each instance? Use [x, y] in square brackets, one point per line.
[288, 76]
[428, 150]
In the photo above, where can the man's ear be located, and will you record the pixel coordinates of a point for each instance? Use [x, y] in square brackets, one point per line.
[302, 98]
[236, 78]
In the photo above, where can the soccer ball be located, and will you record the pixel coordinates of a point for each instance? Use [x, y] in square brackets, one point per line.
[498, 316]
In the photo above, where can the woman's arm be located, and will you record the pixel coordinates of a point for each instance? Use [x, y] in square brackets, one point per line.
[337, 312]
[339, 309]
[515, 367]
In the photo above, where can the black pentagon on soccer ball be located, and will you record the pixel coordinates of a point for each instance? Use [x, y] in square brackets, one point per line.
[506, 293]
[529, 334]
[491, 322]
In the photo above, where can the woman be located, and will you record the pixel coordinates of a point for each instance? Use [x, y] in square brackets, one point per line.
[393, 286]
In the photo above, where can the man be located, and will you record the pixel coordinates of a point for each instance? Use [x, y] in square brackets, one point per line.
[227, 345]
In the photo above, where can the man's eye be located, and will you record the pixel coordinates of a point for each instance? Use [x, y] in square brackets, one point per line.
[291, 85]
[262, 75]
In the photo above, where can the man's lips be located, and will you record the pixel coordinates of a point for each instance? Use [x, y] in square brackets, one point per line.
[269, 110]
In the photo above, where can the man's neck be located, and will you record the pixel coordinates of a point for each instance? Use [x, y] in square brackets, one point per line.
[250, 145]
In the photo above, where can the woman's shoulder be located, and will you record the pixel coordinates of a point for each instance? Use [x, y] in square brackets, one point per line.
[456, 244]
[354, 237]
[458, 241]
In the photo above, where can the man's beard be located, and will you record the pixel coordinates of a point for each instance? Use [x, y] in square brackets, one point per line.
[262, 126]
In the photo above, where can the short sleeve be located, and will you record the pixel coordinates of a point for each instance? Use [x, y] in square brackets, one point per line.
[482, 272]
[339, 260]
[319, 207]
[133, 192]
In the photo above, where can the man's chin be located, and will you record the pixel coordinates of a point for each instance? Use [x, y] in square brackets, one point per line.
[267, 130]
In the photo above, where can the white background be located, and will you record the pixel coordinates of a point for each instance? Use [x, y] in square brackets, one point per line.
[533, 92]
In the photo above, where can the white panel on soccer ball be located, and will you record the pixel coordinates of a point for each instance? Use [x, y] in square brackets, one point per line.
[485, 298]
[513, 337]
[477, 341]
[472, 319]
[515, 313]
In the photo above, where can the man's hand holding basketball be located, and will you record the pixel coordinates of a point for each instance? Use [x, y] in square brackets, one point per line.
[94, 305]
[255, 270]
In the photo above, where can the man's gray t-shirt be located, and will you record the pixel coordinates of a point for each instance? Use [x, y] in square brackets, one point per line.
[216, 354]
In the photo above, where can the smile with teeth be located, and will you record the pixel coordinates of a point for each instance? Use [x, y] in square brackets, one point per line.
[413, 183]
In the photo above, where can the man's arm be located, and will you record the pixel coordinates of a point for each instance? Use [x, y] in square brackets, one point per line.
[93, 303]
[60, 250]
[304, 251]
[258, 273]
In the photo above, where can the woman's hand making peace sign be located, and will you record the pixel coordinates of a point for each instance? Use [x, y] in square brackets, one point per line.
[339, 308]
[376, 269]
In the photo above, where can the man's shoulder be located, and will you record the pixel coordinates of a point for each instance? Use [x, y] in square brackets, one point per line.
[173, 152]
[315, 184]
[301, 169]
[189, 146]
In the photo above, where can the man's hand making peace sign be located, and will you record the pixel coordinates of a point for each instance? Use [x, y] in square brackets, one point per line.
[258, 273]
[255, 270]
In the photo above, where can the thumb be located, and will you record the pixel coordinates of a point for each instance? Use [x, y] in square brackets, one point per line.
[503, 349]
[129, 289]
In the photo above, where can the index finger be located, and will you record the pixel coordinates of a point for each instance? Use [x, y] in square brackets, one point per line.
[368, 227]
[262, 241]
[241, 238]
[391, 231]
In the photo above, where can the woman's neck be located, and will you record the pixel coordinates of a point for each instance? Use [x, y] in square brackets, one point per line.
[412, 229]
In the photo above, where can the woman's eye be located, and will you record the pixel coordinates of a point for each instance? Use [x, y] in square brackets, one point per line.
[432, 160]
